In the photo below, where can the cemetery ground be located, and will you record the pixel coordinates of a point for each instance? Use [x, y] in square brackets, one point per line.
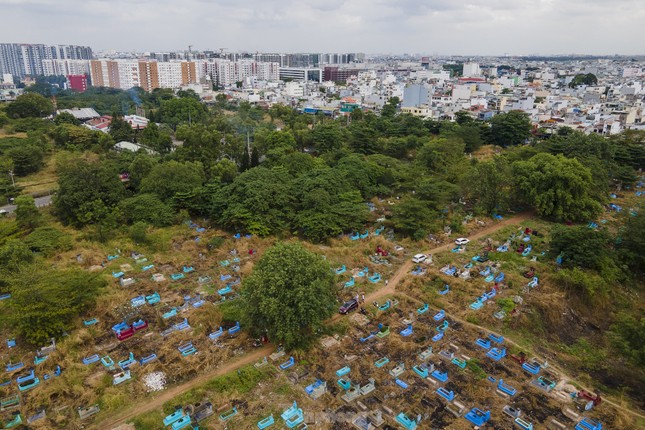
[413, 358]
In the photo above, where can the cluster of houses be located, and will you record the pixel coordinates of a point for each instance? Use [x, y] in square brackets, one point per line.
[609, 104]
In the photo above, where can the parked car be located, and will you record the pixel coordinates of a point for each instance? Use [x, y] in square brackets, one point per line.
[419, 258]
[461, 241]
[348, 306]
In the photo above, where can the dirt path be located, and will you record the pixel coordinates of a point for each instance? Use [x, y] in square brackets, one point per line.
[152, 403]
[407, 266]
[156, 402]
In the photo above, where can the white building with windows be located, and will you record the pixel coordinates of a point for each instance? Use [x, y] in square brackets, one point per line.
[471, 70]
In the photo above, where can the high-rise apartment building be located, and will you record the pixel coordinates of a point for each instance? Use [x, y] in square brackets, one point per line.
[23, 59]
[66, 67]
[147, 74]
[77, 82]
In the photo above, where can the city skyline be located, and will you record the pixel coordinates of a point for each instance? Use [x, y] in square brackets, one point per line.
[440, 27]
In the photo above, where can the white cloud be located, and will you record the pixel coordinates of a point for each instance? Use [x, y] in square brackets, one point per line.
[433, 26]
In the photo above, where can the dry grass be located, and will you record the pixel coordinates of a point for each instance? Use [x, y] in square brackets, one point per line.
[171, 248]
[44, 180]
[19, 135]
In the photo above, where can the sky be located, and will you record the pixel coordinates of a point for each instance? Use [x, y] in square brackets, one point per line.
[457, 27]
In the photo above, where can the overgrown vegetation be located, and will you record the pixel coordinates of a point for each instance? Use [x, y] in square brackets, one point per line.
[280, 173]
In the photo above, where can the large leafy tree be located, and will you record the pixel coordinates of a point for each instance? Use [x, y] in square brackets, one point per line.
[511, 128]
[120, 130]
[444, 158]
[583, 79]
[412, 217]
[581, 246]
[43, 305]
[155, 139]
[557, 187]
[327, 137]
[30, 105]
[258, 201]
[27, 215]
[167, 179]
[147, 208]
[70, 136]
[289, 294]
[86, 191]
[488, 184]
[627, 336]
[26, 159]
[181, 110]
[326, 205]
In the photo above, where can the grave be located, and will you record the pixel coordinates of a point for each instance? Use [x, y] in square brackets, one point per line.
[398, 370]
[86, 412]
[425, 354]
[406, 422]
[478, 417]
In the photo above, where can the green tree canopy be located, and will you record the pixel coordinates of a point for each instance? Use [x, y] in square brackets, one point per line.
[557, 187]
[633, 243]
[85, 191]
[326, 205]
[412, 217]
[43, 305]
[69, 136]
[30, 105]
[147, 208]
[627, 336]
[155, 139]
[167, 179]
[289, 294]
[511, 128]
[26, 159]
[181, 110]
[581, 246]
[66, 118]
[121, 130]
[327, 137]
[489, 185]
[588, 79]
[258, 201]
[27, 215]
[48, 240]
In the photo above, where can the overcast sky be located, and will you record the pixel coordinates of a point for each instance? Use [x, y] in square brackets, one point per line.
[470, 27]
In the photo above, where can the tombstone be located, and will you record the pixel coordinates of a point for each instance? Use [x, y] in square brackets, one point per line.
[376, 418]
[126, 282]
[88, 411]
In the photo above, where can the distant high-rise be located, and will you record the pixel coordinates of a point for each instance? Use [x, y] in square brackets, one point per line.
[77, 82]
[147, 74]
[471, 70]
[23, 59]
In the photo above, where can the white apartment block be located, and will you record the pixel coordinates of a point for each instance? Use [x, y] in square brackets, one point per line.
[471, 70]
[169, 75]
[66, 67]
[128, 74]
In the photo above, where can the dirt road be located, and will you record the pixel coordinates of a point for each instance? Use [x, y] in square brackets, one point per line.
[152, 403]
[407, 266]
